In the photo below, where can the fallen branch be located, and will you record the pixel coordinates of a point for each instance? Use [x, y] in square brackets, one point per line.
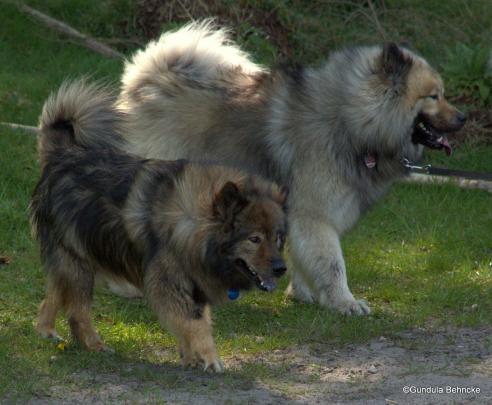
[28, 128]
[87, 41]
[457, 181]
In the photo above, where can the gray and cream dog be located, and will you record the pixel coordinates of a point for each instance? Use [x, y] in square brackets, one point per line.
[185, 234]
[335, 134]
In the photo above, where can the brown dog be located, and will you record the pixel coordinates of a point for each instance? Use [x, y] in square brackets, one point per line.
[185, 234]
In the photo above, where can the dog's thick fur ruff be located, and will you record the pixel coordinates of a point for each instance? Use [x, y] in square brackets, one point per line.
[182, 233]
[335, 134]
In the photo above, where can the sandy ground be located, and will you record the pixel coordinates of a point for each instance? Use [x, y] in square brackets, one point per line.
[374, 373]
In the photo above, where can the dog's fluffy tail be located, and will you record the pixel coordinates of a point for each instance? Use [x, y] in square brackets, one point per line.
[78, 114]
[180, 83]
[198, 52]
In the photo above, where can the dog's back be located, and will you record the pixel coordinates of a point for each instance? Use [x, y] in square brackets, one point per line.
[84, 193]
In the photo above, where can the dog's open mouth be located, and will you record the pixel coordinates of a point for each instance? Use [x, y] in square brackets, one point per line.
[263, 282]
[425, 134]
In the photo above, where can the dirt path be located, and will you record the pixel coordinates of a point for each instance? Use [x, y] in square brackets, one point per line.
[373, 373]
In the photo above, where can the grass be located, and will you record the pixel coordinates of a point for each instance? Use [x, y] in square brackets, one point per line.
[422, 257]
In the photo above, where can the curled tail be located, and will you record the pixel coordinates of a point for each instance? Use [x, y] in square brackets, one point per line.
[78, 114]
[180, 84]
[198, 52]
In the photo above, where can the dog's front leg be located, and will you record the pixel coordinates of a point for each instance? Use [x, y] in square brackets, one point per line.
[319, 268]
[170, 294]
[197, 347]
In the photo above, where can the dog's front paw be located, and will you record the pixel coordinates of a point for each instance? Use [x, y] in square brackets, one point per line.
[208, 359]
[209, 363]
[213, 365]
[346, 305]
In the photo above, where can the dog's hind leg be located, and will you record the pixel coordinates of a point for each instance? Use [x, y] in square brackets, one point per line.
[70, 284]
[79, 318]
[77, 303]
[316, 250]
[48, 309]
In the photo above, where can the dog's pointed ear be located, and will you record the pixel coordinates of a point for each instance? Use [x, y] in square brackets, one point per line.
[395, 64]
[229, 202]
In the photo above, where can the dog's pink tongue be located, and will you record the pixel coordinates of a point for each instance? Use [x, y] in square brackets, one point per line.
[370, 161]
[445, 144]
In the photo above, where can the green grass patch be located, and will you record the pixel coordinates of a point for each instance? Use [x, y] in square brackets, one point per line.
[421, 257]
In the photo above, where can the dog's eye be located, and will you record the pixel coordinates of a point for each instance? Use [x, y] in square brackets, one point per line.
[254, 239]
[434, 96]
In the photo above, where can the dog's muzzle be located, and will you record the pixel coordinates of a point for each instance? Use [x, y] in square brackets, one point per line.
[426, 134]
[263, 282]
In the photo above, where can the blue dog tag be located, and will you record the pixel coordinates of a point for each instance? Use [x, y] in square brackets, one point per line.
[232, 294]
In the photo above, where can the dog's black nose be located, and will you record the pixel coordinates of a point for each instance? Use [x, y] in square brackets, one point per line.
[278, 267]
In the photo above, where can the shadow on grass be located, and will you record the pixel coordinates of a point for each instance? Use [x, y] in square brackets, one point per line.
[76, 375]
